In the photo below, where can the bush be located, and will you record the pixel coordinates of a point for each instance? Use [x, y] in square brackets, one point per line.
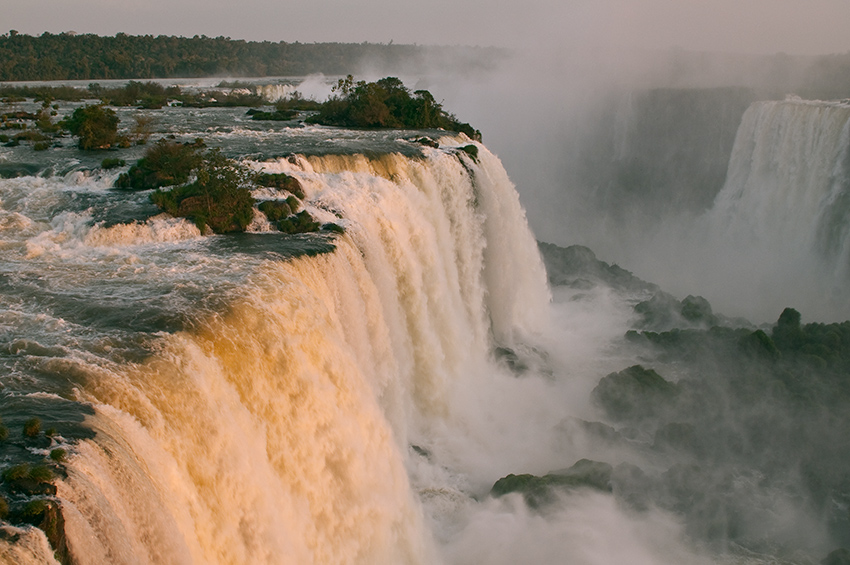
[302, 222]
[386, 103]
[165, 163]
[275, 210]
[32, 427]
[276, 116]
[219, 199]
[112, 163]
[281, 181]
[96, 126]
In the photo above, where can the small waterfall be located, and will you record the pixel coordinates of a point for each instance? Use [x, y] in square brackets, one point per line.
[275, 92]
[278, 430]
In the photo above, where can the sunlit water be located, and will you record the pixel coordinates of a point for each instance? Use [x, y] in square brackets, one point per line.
[263, 398]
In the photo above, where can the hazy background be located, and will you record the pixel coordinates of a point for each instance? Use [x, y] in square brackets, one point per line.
[578, 69]
[757, 26]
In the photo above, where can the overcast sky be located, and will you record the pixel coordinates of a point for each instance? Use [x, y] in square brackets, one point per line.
[754, 26]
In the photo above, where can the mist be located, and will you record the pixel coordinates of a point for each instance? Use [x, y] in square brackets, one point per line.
[587, 116]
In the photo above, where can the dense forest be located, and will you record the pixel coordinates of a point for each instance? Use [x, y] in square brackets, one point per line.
[82, 57]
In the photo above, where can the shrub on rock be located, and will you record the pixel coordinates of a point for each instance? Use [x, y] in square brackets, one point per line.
[219, 199]
[95, 125]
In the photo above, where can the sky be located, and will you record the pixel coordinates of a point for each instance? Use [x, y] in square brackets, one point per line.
[748, 26]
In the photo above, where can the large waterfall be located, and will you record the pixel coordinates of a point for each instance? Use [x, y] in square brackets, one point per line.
[275, 427]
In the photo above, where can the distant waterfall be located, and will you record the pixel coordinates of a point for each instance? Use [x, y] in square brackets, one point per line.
[277, 432]
[788, 185]
[778, 233]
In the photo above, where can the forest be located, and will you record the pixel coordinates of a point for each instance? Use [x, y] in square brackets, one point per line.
[69, 56]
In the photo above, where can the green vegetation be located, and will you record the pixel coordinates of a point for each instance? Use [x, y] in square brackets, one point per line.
[32, 427]
[29, 479]
[86, 57]
[96, 127]
[302, 222]
[165, 163]
[275, 210]
[281, 181]
[219, 199]
[276, 116]
[386, 103]
[112, 163]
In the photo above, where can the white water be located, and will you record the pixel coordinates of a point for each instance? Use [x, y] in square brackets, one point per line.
[784, 206]
[777, 233]
[278, 431]
[788, 168]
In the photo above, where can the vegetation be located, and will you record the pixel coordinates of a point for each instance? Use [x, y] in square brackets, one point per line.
[302, 222]
[112, 163]
[32, 427]
[86, 57]
[386, 103]
[165, 163]
[281, 181]
[95, 125]
[219, 198]
[276, 210]
[276, 116]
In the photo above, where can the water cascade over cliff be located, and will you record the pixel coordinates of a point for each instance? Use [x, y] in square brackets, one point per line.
[275, 426]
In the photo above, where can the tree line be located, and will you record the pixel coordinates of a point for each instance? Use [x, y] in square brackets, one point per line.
[87, 56]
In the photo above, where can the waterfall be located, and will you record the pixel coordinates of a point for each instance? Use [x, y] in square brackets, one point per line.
[276, 430]
[788, 181]
[777, 234]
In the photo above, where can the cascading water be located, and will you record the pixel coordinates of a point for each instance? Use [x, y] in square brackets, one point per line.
[776, 234]
[788, 179]
[274, 428]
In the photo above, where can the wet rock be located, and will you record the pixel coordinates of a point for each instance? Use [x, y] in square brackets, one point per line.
[539, 491]
[634, 393]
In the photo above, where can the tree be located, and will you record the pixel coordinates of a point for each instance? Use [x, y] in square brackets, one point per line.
[96, 126]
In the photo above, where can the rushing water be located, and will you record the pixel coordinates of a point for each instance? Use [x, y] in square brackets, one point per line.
[330, 399]
[252, 398]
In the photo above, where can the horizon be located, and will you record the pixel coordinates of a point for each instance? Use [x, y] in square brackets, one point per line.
[757, 28]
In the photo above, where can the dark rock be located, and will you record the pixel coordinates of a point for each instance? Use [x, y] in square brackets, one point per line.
[696, 309]
[333, 228]
[577, 266]
[634, 393]
[427, 141]
[47, 516]
[539, 491]
[840, 556]
[678, 437]
[471, 150]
